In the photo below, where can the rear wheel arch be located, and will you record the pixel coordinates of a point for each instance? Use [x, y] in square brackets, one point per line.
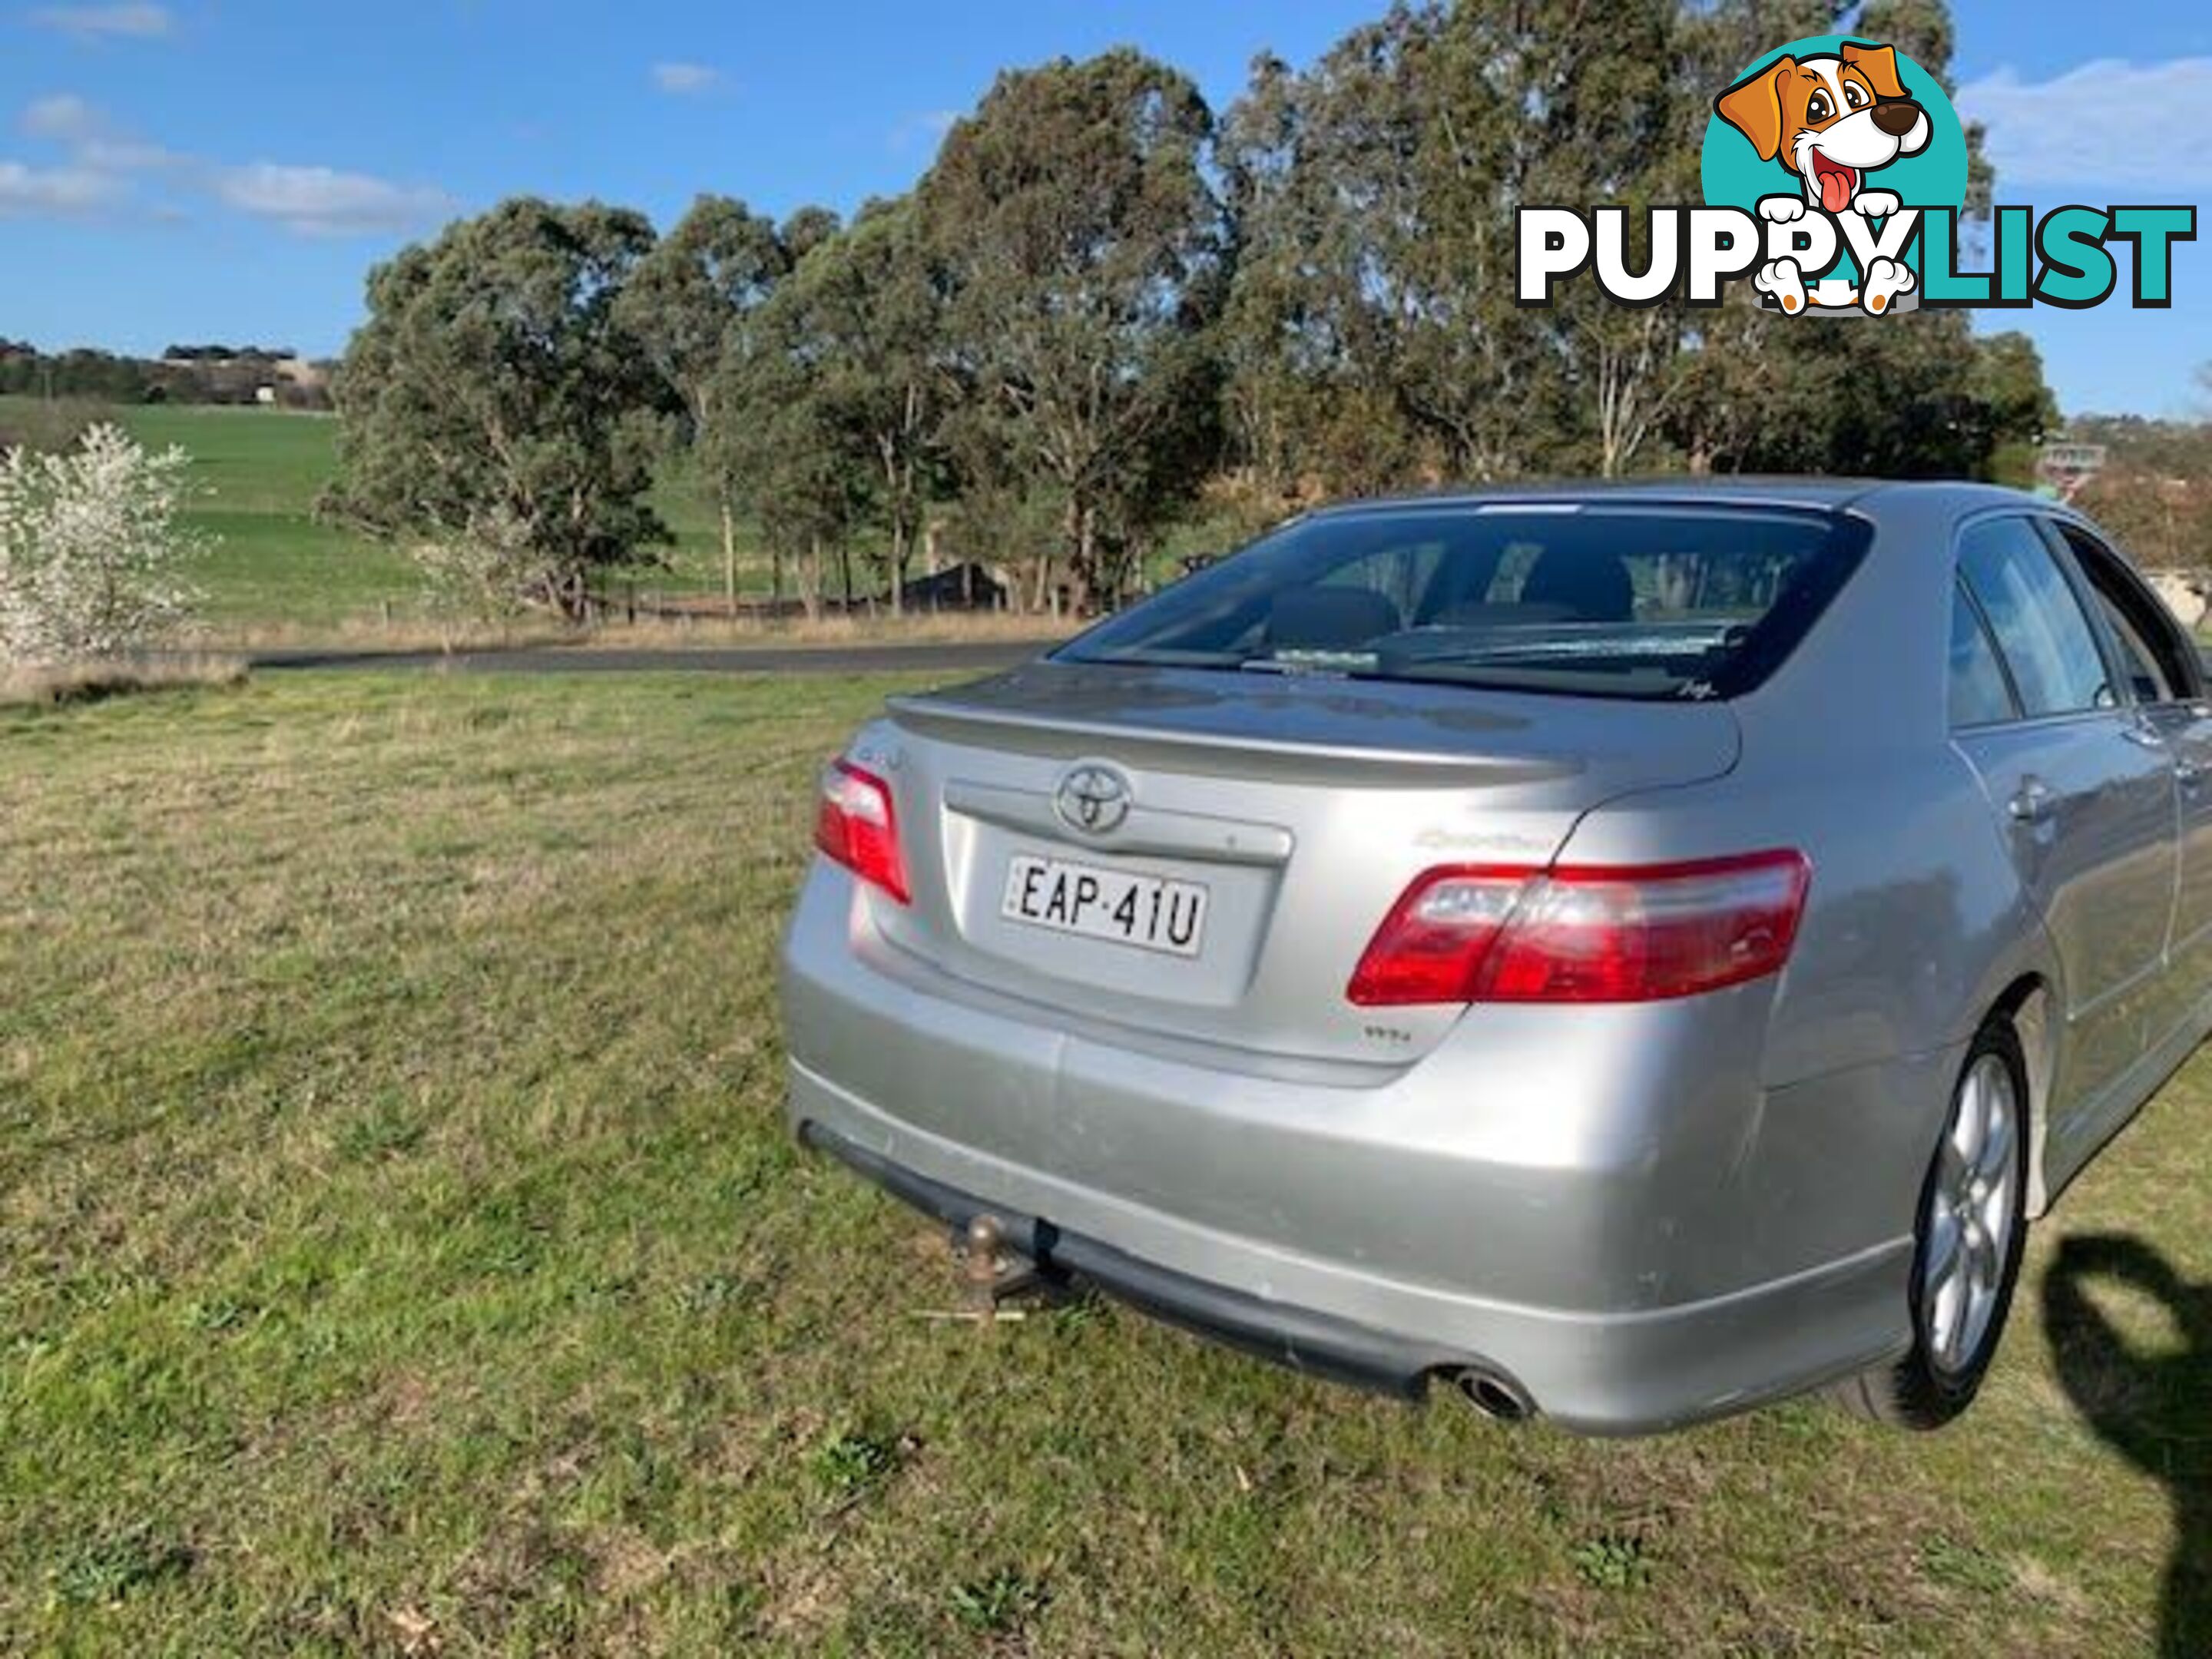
[1970, 1232]
[2029, 1005]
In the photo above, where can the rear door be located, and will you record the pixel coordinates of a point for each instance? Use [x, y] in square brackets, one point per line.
[2167, 677]
[2086, 795]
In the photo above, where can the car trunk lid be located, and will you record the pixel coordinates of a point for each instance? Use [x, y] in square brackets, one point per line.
[1257, 829]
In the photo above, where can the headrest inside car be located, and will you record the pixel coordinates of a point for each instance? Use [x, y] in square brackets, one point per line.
[1587, 583]
[1329, 618]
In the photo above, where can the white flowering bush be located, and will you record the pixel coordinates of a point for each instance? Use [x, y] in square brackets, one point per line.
[490, 568]
[91, 554]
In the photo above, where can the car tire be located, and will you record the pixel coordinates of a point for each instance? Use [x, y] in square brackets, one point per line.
[1970, 1232]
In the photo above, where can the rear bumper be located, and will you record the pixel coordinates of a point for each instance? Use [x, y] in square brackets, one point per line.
[1620, 1374]
[1316, 1344]
[1636, 1247]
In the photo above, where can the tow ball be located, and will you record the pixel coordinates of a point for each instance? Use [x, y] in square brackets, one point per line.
[990, 1273]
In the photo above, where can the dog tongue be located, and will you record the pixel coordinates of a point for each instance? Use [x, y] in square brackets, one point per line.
[1835, 190]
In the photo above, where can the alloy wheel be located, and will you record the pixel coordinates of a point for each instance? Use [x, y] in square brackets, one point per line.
[1972, 1209]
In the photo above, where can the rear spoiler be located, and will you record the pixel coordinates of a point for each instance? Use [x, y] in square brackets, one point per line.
[946, 716]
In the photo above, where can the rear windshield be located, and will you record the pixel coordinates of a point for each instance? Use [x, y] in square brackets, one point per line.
[1584, 598]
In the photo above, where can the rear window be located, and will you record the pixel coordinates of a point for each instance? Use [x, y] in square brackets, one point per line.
[1582, 598]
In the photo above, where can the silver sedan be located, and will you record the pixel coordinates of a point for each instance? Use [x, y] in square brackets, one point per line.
[1631, 953]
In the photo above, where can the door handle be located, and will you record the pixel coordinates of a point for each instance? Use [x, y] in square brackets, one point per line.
[2032, 802]
[2188, 775]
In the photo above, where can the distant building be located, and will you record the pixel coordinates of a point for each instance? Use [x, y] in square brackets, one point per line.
[2064, 469]
[296, 383]
[964, 586]
[303, 376]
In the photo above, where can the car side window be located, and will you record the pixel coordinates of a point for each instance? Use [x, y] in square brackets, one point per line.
[1980, 694]
[2042, 635]
[2159, 656]
[2150, 680]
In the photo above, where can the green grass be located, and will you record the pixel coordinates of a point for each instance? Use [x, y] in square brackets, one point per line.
[275, 566]
[273, 562]
[401, 1252]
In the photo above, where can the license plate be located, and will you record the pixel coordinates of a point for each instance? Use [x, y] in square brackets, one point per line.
[1149, 912]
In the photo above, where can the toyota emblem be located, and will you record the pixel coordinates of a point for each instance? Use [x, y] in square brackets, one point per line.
[1093, 800]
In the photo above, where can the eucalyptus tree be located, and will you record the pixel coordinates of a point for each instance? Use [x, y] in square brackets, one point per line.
[1311, 406]
[693, 303]
[1375, 195]
[1916, 393]
[493, 399]
[865, 311]
[1372, 336]
[1083, 251]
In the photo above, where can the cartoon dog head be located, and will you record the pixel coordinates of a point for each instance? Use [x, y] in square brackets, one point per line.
[1831, 119]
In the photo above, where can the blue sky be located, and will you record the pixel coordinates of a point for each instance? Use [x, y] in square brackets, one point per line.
[191, 170]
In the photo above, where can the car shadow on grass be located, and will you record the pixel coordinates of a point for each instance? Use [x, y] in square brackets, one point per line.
[2152, 1405]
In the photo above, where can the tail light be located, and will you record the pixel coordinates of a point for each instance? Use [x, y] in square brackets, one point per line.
[1584, 933]
[856, 826]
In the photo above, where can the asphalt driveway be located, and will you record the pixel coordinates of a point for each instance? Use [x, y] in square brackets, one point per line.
[936, 658]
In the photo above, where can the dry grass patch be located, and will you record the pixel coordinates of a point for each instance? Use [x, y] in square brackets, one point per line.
[880, 627]
[406, 634]
[91, 682]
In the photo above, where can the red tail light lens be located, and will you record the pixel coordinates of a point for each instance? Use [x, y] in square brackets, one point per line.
[1584, 933]
[856, 826]
[1433, 944]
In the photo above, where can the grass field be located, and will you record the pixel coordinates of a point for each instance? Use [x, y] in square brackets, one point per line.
[400, 1252]
[273, 561]
[277, 569]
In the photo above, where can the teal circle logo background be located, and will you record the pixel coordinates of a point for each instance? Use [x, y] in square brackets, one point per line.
[1734, 175]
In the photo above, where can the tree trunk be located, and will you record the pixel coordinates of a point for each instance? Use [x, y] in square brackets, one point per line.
[887, 449]
[729, 557]
[1082, 579]
[810, 586]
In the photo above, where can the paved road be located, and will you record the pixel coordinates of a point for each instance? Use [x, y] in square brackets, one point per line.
[938, 658]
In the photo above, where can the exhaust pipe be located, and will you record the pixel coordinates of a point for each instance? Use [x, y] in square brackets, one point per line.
[1494, 1393]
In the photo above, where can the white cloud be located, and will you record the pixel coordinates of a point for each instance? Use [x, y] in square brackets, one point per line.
[2116, 125]
[93, 140]
[686, 80]
[102, 156]
[82, 185]
[133, 22]
[46, 191]
[121, 155]
[317, 201]
[63, 116]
